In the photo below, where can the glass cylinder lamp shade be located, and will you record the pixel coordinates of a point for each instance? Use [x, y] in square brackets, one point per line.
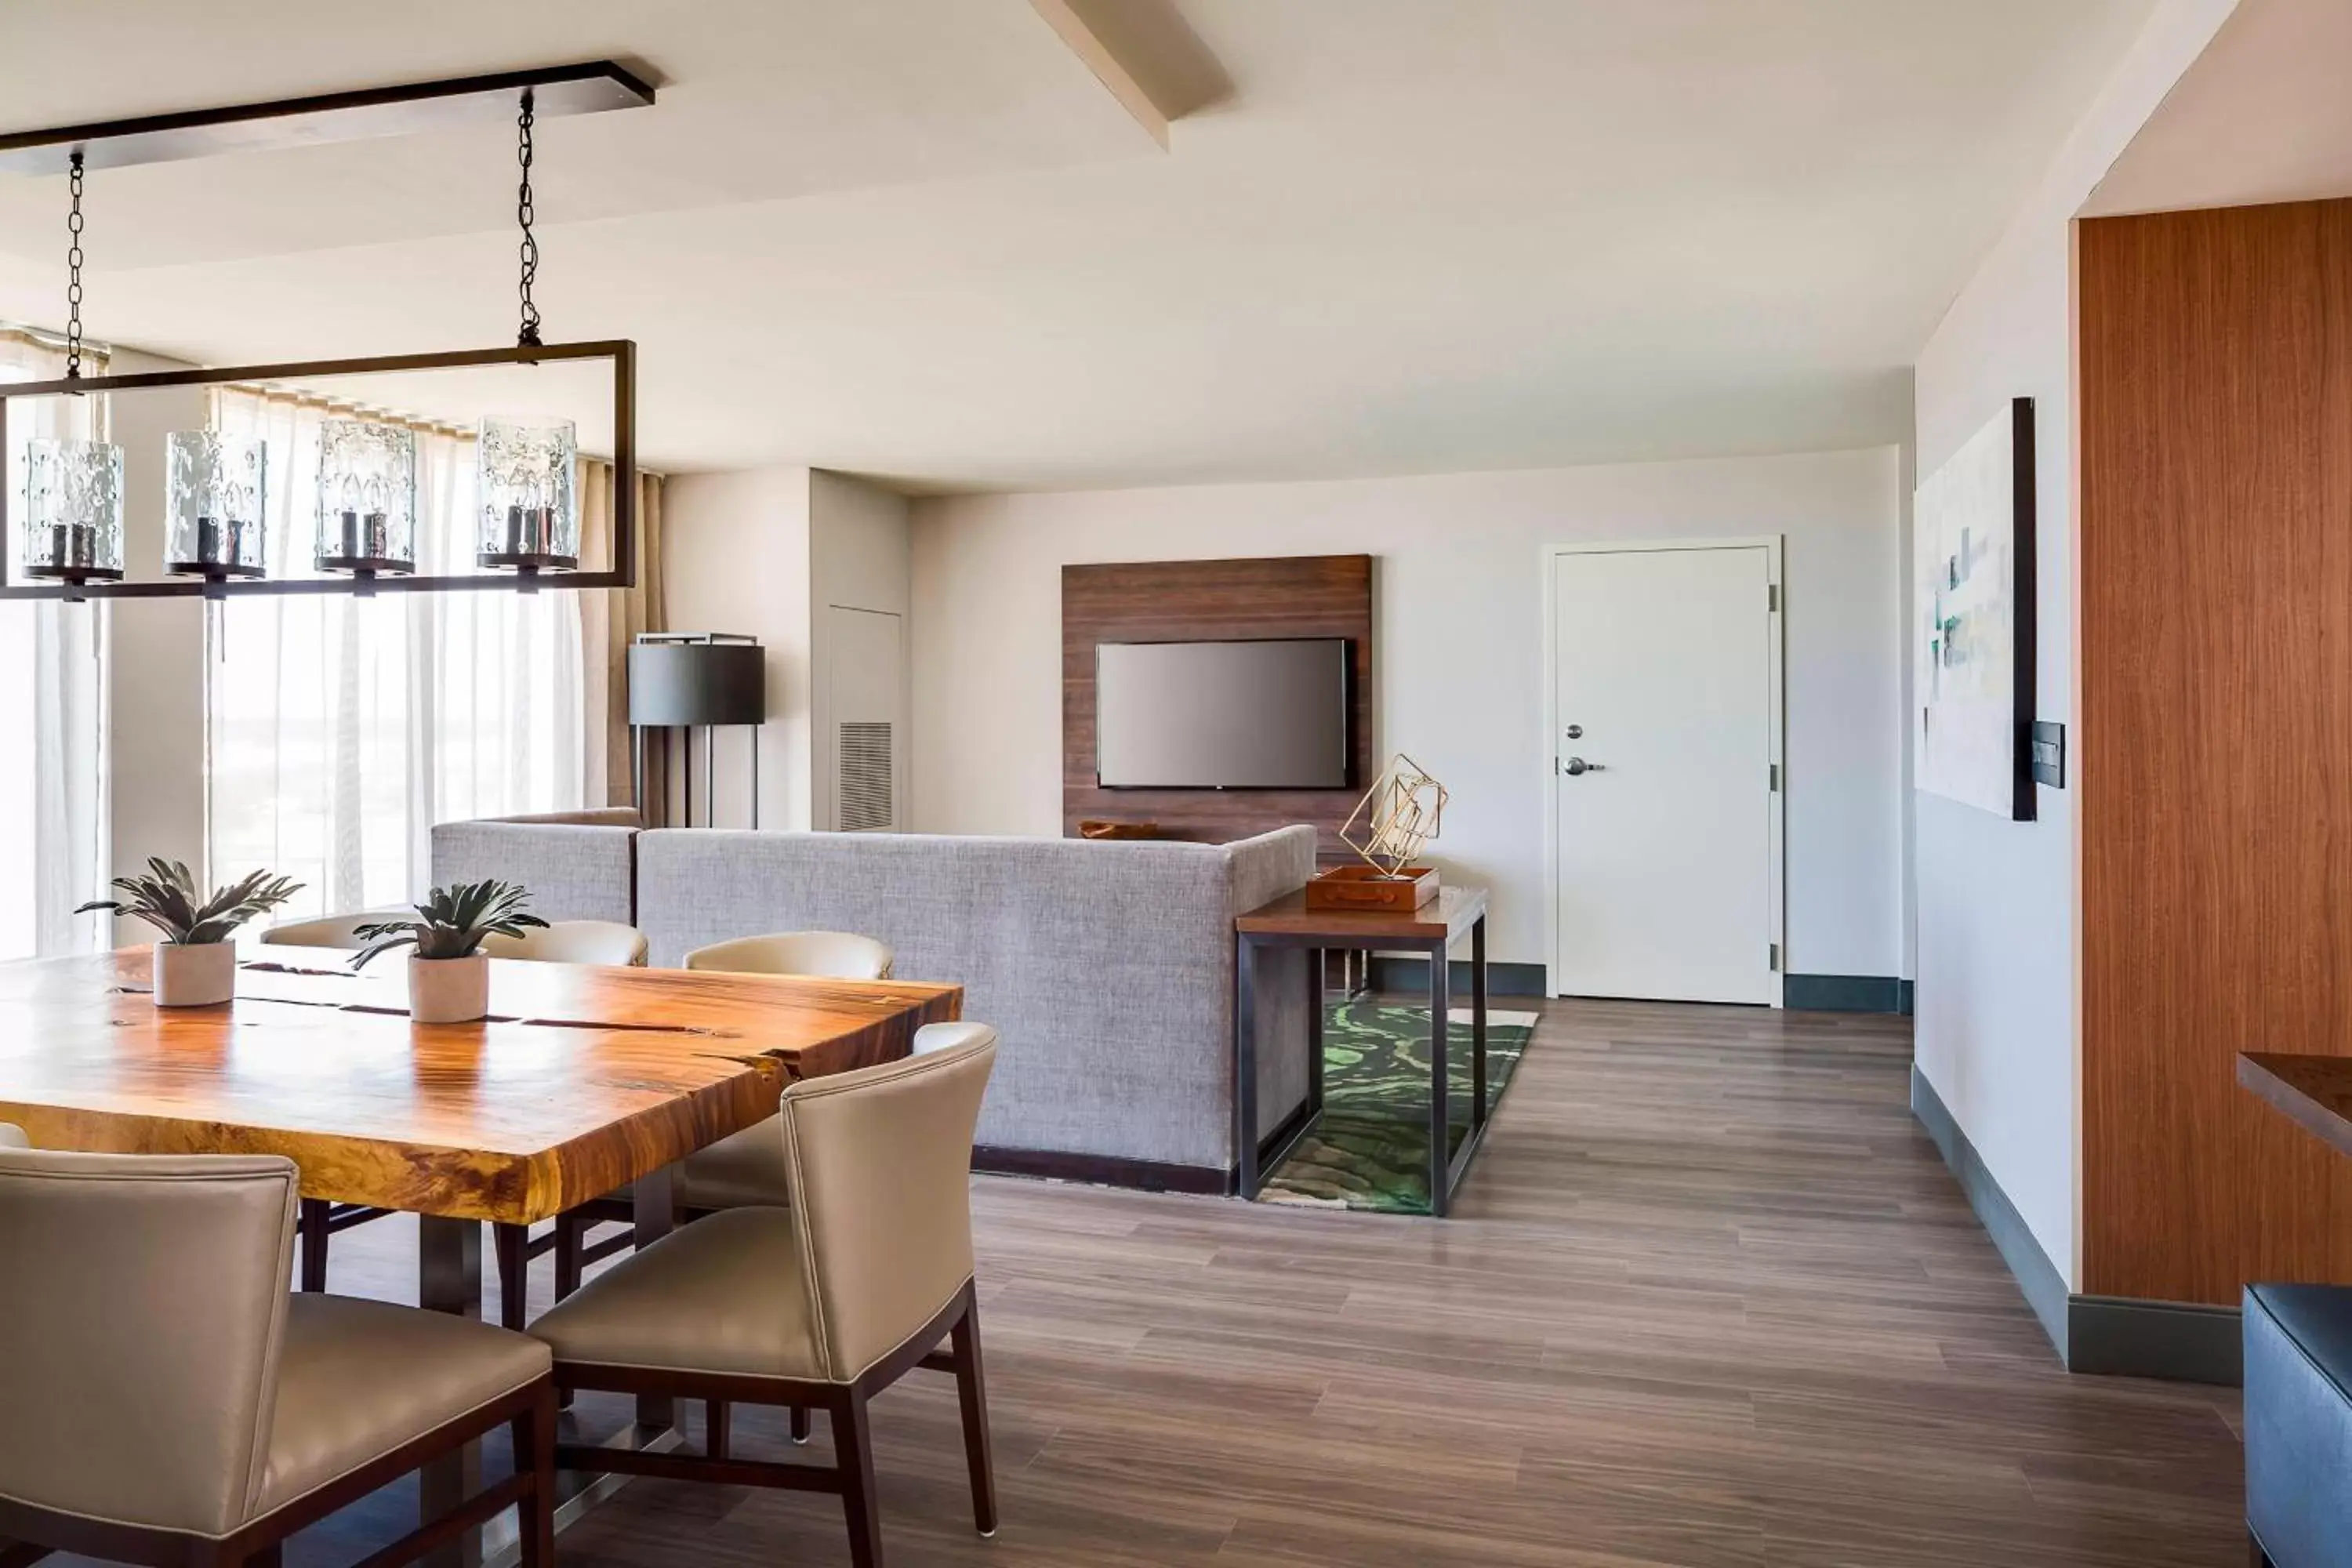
[367, 498]
[73, 511]
[529, 508]
[216, 487]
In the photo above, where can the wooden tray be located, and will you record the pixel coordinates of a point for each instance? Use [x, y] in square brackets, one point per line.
[1094, 827]
[1362, 888]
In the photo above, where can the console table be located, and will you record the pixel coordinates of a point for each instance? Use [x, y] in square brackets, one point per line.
[1433, 930]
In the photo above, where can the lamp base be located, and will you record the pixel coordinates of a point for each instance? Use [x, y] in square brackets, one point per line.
[211, 571]
[526, 560]
[372, 565]
[76, 575]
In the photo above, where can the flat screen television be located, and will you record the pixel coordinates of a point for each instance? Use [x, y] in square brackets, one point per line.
[1221, 715]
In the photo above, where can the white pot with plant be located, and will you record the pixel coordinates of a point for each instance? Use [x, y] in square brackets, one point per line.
[449, 974]
[195, 963]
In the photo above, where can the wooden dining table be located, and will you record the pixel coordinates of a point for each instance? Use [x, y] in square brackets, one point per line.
[579, 1081]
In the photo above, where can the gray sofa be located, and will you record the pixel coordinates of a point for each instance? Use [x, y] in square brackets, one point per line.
[1107, 966]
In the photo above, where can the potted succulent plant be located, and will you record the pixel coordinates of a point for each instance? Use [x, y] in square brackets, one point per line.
[449, 974]
[195, 966]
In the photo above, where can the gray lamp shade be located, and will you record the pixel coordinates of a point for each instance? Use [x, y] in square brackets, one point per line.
[697, 683]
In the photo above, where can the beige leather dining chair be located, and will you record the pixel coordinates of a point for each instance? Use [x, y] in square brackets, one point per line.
[575, 941]
[747, 1168]
[331, 930]
[824, 1303]
[831, 955]
[168, 1402]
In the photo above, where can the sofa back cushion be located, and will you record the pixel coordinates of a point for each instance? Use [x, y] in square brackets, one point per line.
[575, 871]
[1107, 966]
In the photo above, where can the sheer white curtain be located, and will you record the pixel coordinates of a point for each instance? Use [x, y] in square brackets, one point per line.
[55, 809]
[340, 729]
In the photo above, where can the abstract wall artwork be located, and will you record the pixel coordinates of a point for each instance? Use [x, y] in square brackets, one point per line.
[1972, 552]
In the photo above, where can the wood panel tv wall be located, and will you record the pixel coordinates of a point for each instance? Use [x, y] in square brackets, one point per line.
[2215, 564]
[1184, 601]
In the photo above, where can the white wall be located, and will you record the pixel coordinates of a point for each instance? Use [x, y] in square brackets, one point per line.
[735, 558]
[764, 551]
[1996, 994]
[859, 558]
[1458, 652]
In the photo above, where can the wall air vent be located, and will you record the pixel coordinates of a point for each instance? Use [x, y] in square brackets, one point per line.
[864, 798]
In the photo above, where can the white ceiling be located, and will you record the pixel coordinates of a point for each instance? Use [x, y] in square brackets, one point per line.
[2261, 116]
[916, 239]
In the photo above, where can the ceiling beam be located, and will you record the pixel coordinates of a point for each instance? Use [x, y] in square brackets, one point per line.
[1142, 52]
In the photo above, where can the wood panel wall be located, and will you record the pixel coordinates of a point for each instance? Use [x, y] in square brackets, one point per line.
[2214, 569]
[1179, 600]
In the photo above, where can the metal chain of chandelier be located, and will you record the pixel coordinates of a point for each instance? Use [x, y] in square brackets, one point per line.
[366, 496]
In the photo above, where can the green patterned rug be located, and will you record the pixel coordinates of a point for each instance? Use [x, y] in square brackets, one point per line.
[1371, 1150]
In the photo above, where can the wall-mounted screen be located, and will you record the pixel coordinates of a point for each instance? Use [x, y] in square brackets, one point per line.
[1221, 715]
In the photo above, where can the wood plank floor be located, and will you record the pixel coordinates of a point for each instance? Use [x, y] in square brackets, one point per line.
[1710, 1300]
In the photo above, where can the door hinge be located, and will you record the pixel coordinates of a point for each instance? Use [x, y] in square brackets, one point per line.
[1775, 957]
[1771, 597]
[1775, 777]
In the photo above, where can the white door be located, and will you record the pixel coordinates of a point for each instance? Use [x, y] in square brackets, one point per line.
[1665, 804]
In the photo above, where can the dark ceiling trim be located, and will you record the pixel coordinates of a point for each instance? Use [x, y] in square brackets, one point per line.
[589, 88]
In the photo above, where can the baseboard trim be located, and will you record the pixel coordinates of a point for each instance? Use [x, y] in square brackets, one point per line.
[2044, 1288]
[1103, 1171]
[1410, 977]
[2113, 1336]
[1845, 994]
[2182, 1341]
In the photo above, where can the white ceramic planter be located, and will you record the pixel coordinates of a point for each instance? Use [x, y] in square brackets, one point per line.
[200, 975]
[449, 990]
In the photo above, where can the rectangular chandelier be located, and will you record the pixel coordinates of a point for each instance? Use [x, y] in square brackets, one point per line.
[68, 522]
[67, 526]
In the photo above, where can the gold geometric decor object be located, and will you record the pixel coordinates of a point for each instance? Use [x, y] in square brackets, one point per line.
[1397, 817]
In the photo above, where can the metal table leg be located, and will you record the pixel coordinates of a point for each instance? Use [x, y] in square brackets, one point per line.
[1440, 1185]
[450, 1279]
[1246, 1067]
[1477, 1025]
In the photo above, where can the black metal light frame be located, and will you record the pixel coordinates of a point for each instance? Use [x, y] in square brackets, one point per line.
[587, 88]
[621, 574]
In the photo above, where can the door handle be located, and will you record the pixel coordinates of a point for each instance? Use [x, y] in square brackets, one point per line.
[1575, 766]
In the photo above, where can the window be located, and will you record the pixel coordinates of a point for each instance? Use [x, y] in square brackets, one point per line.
[339, 730]
[53, 808]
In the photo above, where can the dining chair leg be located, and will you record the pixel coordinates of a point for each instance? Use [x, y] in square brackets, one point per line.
[714, 1428]
[534, 1445]
[852, 1455]
[514, 1245]
[971, 1393]
[312, 1221]
[800, 1424]
[19, 1554]
[570, 1234]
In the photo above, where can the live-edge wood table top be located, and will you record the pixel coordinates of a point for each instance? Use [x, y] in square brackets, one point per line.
[582, 1078]
[1447, 917]
[2316, 1092]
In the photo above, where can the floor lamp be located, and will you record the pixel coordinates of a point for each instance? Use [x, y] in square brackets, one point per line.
[690, 680]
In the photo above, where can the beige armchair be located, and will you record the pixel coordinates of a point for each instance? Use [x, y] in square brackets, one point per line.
[575, 941]
[824, 1303]
[169, 1403]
